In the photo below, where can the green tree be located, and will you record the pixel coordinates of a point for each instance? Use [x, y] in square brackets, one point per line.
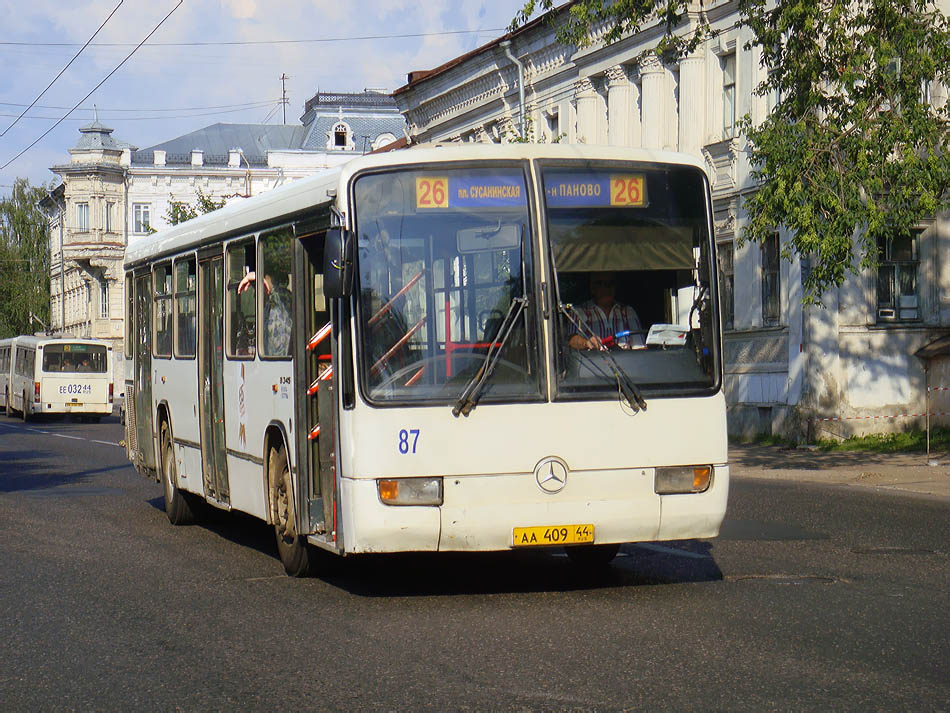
[180, 211]
[24, 260]
[855, 152]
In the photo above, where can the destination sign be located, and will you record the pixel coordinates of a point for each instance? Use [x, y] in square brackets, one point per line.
[496, 191]
[586, 190]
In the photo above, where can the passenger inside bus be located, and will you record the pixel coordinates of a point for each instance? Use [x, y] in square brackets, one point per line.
[605, 320]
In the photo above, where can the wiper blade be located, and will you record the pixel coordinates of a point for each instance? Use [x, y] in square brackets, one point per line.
[472, 392]
[628, 389]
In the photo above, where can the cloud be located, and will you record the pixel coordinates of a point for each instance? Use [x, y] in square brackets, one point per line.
[181, 78]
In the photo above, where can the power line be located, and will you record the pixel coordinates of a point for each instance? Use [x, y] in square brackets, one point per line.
[182, 108]
[276, 102]
[45, 133]
[64, 68]
[232, 43]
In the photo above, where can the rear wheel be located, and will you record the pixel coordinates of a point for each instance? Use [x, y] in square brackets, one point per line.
[592, 556]
[177, 504]
[295, 553]
[25, 412]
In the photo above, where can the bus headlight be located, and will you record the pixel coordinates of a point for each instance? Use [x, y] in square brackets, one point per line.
[410, 491]
[683, 479]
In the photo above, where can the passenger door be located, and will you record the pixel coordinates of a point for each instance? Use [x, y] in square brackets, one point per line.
[142, 330]
[214, 465]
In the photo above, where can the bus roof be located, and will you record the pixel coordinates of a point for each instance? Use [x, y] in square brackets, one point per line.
[298, 198]
[29, 340]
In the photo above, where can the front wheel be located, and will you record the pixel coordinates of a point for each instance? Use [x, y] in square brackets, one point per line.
[592, 556]
[177, 504]
[295, 553]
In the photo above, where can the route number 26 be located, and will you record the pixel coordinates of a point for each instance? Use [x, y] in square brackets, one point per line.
[408, 440]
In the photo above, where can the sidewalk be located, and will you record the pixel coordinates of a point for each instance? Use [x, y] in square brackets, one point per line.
[902, 472]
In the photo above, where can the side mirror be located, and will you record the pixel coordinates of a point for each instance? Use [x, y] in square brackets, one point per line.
[338, 264]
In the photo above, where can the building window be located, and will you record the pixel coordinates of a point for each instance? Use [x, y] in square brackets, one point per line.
[727, 284]
[141, 220]
[897, 271]
[728, 63]
[771, 281]
[110, 212]
[82, 217]
[103, 298]
[552, 127]
[341, 133]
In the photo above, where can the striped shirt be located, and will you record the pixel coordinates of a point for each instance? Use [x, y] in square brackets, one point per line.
[621, 318]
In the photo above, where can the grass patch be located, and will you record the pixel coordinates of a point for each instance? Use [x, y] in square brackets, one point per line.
[910, 441]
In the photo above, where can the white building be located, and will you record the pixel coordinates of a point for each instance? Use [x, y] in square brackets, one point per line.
[112, 193]
[787, 367]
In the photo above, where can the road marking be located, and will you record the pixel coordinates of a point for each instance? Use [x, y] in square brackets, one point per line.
[59, 435]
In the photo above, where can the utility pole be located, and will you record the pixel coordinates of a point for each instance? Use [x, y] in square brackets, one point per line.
[283, 93]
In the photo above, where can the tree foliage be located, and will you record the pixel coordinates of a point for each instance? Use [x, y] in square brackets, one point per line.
[856, 150]
[24, 260]
[180, 211]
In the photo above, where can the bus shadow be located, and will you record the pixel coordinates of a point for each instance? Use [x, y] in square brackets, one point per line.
[30, 470]
[236, 527]
[448, 574]
[459, 573]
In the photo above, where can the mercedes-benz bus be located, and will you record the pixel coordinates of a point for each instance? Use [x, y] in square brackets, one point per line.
[415, 352]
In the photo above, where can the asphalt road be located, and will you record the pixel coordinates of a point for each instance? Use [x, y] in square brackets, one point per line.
[815, 597]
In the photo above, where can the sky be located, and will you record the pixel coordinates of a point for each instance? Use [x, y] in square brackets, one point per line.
[165, 90]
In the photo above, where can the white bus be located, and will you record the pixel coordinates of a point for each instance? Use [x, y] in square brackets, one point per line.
[59, 375]
[6, 363]
[406, 354]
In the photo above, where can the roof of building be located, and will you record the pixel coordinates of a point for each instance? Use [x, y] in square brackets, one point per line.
[95, 136]
[416, 77]
[365, 129]
[367, 100]
[255, 140]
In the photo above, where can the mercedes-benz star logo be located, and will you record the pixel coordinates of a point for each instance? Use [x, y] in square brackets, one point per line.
[551, 474]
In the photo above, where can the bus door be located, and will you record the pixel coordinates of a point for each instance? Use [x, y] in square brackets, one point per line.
[143, 370]
[214, 465]
[315, 402]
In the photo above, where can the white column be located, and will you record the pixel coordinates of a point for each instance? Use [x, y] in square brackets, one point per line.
[653, 77]
[619, 107]
[692, 104]
[587, 99]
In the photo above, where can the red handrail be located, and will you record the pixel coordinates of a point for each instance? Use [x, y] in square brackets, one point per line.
[389, 305]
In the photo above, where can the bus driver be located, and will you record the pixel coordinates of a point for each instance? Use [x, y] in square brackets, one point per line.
[606, 317]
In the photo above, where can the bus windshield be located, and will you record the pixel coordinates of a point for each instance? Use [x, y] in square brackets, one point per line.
[443, 256]
[75, 358]
[631, 251]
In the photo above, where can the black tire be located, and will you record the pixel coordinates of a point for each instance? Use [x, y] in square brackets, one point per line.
[25, 413]
[295, 553]
[177, 505]
[592, 556]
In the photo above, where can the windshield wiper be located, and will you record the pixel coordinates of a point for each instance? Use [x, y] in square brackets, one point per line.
[472, 392]
[629, 390]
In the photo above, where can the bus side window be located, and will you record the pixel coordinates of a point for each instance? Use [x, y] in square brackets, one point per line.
[242, 300]
[162, 286]
[185, 307]
[275, 284]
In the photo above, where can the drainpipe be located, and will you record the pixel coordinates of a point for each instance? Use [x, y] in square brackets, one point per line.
[506, 46]
[62, 269]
